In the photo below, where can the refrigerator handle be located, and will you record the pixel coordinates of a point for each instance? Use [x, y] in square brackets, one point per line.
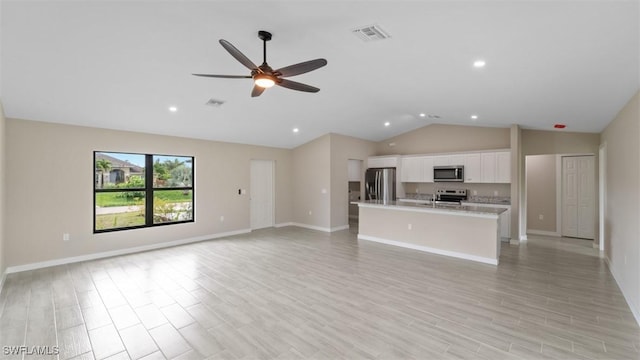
[377, 185]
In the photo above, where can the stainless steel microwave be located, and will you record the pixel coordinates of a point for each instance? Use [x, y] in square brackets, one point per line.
[448, 173]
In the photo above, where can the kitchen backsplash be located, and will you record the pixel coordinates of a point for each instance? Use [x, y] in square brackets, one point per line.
[479, 190]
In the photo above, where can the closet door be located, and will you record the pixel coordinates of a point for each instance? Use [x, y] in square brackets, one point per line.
[578, 196]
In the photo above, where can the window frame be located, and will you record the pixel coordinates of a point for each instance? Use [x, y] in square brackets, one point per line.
[148, 189]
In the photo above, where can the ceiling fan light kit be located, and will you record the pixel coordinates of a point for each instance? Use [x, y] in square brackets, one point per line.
[264, 76]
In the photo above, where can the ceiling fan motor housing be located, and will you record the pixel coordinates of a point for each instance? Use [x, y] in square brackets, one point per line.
[264, 35]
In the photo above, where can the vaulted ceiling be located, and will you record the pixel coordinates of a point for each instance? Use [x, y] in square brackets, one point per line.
[122, 64]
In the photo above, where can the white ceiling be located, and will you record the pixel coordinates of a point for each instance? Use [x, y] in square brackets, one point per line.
[121, 64]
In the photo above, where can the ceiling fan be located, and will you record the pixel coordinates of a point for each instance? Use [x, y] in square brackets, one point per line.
[264, 76]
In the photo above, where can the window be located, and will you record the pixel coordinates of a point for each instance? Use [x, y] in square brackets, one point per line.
[141, 190]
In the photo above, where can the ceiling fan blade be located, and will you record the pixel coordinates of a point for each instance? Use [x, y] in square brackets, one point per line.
[257, 91]
[238, 55]
[225, 76]
[302, 67]
[293, 85]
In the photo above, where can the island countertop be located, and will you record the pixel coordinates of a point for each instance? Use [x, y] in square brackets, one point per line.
[452, 209]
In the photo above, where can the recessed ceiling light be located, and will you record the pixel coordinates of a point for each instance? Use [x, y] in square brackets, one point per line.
[423, 114]
[173, 108]
[295, 130]
[474, 117]
[387, 123]
[479, 63]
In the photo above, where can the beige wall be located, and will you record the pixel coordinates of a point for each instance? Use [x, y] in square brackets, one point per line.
[3, 172]
[541, 192]
[344, 148]
[439, 138]
[622, 219]
[312, 185]
[539, 142]
[50, 175]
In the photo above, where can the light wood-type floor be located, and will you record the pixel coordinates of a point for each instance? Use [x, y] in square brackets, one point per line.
[293, 293]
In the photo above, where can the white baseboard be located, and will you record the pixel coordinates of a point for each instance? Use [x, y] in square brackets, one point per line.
[320, 228]
[106, 254]
[3, 277]
[430, 249]
[523, 237]
[634, 311]
[543, 232]
[312, 227]
[514, 241]
[339, 228]
[283, 224]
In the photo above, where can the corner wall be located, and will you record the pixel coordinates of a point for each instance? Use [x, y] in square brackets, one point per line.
[312, 185]
[49, 170]
[3, 171]
[344, 148]
[622, 214]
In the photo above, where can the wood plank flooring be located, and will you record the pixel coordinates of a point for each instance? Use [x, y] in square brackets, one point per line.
[292, 293]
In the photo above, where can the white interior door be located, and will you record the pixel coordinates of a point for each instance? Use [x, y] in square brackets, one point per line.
[578, 196]
[261, 196]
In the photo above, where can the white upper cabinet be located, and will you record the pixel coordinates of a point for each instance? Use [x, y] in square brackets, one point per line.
[496, 167]
[479, 167]
[412, 169]
[355, 170]
[417, 169]
[441, 160]
[456, 159]
[472, 168]
[382, 161]
[488, 166]
[427, 164]
[503, 167]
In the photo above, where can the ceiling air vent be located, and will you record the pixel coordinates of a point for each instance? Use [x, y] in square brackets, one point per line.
[371, 33]
[215, 102]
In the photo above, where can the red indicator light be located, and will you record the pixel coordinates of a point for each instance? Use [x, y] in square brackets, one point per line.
[559, 126]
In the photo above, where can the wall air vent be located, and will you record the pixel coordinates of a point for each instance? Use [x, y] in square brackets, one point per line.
[371, 33]
[214, 102]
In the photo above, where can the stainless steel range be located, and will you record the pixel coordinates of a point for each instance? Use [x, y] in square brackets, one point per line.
[451, 196]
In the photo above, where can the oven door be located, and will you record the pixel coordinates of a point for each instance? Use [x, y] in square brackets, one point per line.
[448, 173]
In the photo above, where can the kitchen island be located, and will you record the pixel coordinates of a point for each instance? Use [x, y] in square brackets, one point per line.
[467, 232]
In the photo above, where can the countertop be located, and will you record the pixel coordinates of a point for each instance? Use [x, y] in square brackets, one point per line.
[468, 210]
[473, 199]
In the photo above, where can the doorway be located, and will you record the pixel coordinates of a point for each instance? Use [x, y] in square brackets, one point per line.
[262, 194]
[578, 196]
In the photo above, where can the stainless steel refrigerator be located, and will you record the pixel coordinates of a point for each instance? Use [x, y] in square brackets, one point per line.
[380, 184]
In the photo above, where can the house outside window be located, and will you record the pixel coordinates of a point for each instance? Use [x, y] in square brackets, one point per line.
[141, 190]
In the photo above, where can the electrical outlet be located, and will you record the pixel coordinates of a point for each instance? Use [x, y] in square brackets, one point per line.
[310, 212]
[66, 237]
[221, 218]
[540, 217]
[475, 192]
[495, 193]
[409, 226]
